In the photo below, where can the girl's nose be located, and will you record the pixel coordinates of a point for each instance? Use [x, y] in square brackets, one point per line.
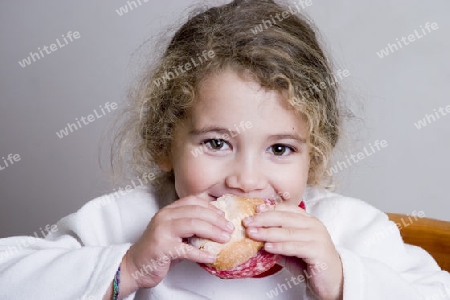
[246, 179]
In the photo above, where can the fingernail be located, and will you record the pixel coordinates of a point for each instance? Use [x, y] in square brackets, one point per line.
[226, 235]
[252, 230]
[268, 246]
[248, 220]
[262, 207]
[230, 226]
[211, 257]
[220, 212]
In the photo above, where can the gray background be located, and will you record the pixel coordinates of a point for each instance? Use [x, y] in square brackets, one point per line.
[57, 176]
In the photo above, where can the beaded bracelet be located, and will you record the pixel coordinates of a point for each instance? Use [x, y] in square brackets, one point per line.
[116, 283]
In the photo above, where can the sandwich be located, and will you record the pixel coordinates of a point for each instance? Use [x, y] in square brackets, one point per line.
[241, 256]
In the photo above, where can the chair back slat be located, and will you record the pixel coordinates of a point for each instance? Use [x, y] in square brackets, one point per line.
[429, 234]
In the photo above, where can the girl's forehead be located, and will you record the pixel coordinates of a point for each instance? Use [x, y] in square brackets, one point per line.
[231, 90]
[226, 99]
[230, 84]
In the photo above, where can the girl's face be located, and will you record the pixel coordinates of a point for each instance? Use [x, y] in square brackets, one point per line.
[240, 139]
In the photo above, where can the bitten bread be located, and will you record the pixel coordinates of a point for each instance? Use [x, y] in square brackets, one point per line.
[240, 256]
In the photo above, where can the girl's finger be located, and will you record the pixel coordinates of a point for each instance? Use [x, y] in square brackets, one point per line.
[294, 265]
[190, 200]
[209, 215]
[291, 208]
[297, 249]
[195, 201]
[278, 218]
[188, 227]
[265, 207]
[279, 234]
[197, 255]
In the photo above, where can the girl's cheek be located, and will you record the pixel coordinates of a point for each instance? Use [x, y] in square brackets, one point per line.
[199, 173]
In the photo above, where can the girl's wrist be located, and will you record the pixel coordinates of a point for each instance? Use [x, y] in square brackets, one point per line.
[128, 284]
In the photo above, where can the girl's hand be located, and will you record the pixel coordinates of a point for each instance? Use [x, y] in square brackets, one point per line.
[149, 259]
[305, 244]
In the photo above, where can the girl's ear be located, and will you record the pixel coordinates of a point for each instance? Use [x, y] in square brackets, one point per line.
[165, 163]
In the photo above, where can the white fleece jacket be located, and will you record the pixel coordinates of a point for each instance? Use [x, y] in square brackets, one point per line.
[79, 260]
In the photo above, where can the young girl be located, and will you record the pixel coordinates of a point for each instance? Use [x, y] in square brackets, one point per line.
[229, 110]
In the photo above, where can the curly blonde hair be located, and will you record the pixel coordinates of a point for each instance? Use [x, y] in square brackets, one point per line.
[284, 56]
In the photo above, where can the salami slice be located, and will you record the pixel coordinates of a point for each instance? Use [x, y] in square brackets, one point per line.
[256, 265]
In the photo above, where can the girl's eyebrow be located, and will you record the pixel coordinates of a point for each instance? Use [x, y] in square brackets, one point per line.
[288, 136]
[222, 131]
[211, 129]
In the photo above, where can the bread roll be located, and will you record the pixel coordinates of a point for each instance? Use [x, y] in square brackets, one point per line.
[241, 256]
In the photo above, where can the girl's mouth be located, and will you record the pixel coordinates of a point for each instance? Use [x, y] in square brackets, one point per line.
[269, 199]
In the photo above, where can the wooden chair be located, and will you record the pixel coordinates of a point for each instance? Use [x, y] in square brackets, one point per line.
[429, 234]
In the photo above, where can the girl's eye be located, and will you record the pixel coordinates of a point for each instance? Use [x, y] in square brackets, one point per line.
[281, 150]
[215, 144]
